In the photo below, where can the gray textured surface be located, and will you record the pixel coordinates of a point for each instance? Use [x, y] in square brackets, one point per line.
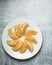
[38, 10]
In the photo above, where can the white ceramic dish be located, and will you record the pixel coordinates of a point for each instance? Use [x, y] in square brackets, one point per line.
[27, 54]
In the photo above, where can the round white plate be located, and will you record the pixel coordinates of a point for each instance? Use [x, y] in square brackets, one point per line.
[27, 54]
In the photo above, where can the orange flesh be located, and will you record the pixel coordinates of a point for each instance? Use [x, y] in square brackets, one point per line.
[29, 46]
[12, 42]
[17, 46]
[30, 32]
[31, 39]
[24, 27]
[12, 34]
[23, 48]
[18, 30]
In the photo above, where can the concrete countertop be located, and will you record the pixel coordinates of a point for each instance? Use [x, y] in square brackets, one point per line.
[38, 10]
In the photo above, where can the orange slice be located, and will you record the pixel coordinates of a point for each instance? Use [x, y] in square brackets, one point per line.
[31, 39]
[18, 30]
[17, 46]
[30, 32]
[23, 48]
[12, 42]
[12, 34]
[29, 46]
[24, 27]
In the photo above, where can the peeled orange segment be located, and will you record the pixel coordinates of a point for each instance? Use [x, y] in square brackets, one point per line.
[31, 39]
[17, 46]
[23, 48]
[12, 34]
[12, 42]
[24, 27]
[30, 32]
[18, 30]
[29, 46]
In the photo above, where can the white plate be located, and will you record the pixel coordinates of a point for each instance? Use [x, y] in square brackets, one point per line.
[16, 54]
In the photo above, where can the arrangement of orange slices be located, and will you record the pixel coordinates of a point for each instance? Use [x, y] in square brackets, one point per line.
[22, 45]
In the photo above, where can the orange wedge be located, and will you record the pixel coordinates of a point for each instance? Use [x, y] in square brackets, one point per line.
[23, 48]
[17, 46]
[12, 42]
[29, 46]
[30, 32]
[12, 34]
[31, 39]
[18, 30]
[24, 27]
